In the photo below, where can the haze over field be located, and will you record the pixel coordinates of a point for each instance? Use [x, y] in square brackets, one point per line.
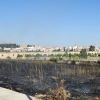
[50, 22]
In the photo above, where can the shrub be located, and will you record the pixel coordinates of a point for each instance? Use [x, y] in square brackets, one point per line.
[19, 55]
[60, 58]
[73, 62]
[54, 59]
[28, 55]
[59, 94]
[98, 62]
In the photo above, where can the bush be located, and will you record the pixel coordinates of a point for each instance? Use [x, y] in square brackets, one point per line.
[28, 55]
[98, 62]
[73, 62]
[19, 55]
[60, 58]
[38, 55]
[65, 55]
[8, 57]
[59, 94]
[54, 59]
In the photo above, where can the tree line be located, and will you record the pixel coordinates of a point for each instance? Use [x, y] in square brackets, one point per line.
[10, 45]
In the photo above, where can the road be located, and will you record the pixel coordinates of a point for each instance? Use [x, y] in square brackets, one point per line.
[6, 94]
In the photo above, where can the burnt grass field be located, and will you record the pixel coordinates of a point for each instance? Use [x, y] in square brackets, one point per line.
[31, 77]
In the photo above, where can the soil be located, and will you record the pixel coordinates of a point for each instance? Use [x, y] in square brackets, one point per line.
[31, 77]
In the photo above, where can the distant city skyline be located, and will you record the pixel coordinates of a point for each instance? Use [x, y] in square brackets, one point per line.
[50, 22]
[49, 45]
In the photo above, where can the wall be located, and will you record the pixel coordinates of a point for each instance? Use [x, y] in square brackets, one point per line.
[12, 55]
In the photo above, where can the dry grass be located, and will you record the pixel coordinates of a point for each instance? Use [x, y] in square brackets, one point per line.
[59, 94]
[96, 98]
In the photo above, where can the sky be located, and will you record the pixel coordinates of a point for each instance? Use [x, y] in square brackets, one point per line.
[50, 22]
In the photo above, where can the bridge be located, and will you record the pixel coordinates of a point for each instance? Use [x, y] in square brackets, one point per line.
[13, 55]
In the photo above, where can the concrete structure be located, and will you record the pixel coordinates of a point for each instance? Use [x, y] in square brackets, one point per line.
[6, 94]
[23, 47]
[12, 55]
[7, 49]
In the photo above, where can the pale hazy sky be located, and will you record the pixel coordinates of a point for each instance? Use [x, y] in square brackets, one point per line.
[50, 22]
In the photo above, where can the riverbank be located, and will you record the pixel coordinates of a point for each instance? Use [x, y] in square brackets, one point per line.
[31, 77]
[68, 61]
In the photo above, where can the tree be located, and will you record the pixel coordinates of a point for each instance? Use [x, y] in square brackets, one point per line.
[65, 55]
[53, 59]
[83, 53]
[77, 55]
[20, 56]
[38, 55]
[28, 55]
[92, 48]
[70, 55]
[92, 55]
[58, 55]
[51, 55]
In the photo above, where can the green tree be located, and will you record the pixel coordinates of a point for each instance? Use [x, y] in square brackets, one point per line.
[96, 54]
[38, 55]
[54, 59]
[92, 55]
[58, 55]
[70, 55]
[51, 55]
[65, 55]
[77, 55]
[89, 54]
[83, 53]
[92, 48]
[28, 55]
[19, 55]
